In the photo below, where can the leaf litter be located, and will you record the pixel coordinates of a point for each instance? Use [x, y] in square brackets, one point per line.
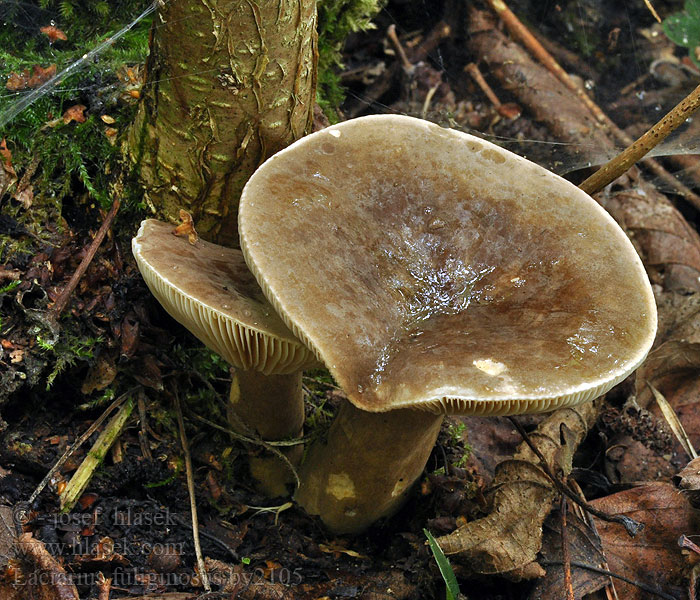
[111, 304]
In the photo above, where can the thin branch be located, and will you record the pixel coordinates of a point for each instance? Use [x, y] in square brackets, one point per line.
[269, 446]
[642, 586]
[565, 551]
[67, 291]
[519, 31]
[623, 161]
[79, 442]
[190, 489]
[631, 526]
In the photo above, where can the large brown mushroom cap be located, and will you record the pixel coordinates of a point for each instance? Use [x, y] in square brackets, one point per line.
[209, 290]
[428, 268]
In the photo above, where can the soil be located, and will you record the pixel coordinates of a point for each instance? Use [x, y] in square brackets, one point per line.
[132, 524]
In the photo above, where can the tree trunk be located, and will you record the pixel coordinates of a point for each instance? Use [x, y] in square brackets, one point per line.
[228, 84]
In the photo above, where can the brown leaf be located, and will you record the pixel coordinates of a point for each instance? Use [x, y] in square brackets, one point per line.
[186, 227]
[8, 176]
[53, 33]
[673, 366]
[25, 196]
[75, 113]
[149, 373]
[56, 584]
[653, 556]
[100, 375]
[688, 480]
[584, 547]
[129, 334]
[508, 539]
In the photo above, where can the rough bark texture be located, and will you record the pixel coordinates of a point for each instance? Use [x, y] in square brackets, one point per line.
[229, 83]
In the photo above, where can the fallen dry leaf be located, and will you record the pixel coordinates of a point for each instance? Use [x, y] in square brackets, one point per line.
[56, 584]
[100, 375]
[25, 196]
[8, 176]
[674, 365]
[75, 113]
[584, 547]
[508, 539]
[186, 227]
[652, 557]
[53, 33]
[25, 80]
[688, 480]
[111, 134]
[107, 119]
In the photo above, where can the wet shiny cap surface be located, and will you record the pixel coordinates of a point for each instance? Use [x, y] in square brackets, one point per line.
[209, 290]
[428, 268]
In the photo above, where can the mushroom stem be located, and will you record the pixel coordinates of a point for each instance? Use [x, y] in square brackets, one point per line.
[273, 407]
[365, 467]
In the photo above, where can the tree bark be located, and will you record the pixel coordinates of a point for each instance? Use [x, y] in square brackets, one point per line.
[228, 84]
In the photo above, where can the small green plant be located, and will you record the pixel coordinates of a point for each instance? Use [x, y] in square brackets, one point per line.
[456, 433]
[683, 29]
[67, 350]
[9, 287]
[448, 575]
[336, 20]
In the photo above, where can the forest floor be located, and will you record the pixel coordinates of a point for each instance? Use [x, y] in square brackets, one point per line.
[112, 349]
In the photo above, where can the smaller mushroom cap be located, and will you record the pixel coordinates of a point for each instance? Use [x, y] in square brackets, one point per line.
[431, 269]
[209, 289]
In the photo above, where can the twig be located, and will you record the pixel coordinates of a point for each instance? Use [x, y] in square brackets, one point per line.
[518, 30]
[104, 585]
[631, 526]
[190, 489]
[642, 586]
[440, 32]
[623, 161]
[80, 479]
[79, 442]
[652, 10]
[268, 445]
[400, 52]
[143, 422]
[65, 294]
[509, 110]
[478, 78]
[565, 552]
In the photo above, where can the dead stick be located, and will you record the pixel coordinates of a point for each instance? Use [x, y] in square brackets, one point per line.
[519, 31]
[623, 161]
[642, 586]
[190, 489]
[631, 526]
[478, 78]
[79, 442]
[565, 553]
[394, 39]
[65, 295]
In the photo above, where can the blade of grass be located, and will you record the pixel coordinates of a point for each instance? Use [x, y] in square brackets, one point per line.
[451, 586]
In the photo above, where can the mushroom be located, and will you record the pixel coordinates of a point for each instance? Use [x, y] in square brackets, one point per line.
[209, 289]
[435, 273]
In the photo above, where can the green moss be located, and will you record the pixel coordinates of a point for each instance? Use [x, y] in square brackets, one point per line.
[336, 20]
